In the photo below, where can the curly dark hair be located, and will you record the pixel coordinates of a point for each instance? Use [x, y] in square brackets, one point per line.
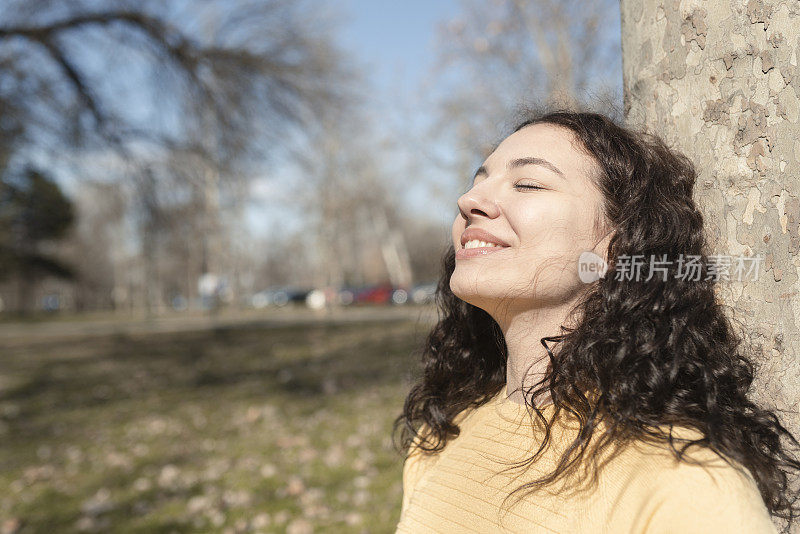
[644, 355]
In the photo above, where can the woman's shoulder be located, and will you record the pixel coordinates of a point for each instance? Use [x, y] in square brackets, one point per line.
[704, 491]
[464, 420]
[657, 463]
[418, 459]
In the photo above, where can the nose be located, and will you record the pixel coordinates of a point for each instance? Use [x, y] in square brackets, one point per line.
[478, 202]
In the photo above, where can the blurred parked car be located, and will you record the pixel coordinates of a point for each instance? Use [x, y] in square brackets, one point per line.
[263, 299]
[423, 293]
[378, 294]
[346, 295]
[321, 297]
[399, 296]
[279, 297]
[292, 295]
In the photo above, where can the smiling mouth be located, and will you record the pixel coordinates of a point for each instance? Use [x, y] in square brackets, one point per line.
[476, 248]
[475, 243]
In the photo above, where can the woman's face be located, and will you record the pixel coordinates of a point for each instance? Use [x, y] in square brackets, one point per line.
[533, 195]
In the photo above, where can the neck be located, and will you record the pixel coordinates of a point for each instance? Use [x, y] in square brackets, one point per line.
[527, 358]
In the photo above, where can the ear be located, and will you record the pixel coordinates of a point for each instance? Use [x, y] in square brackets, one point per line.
[601, 248]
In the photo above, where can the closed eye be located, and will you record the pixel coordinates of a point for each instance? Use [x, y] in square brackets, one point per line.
[527, 186]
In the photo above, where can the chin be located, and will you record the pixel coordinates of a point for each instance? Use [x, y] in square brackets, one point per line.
[470, 292]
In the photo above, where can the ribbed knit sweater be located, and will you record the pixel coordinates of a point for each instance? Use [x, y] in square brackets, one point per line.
[644, 489]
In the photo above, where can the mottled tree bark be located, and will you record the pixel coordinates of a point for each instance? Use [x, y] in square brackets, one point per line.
[719, 79]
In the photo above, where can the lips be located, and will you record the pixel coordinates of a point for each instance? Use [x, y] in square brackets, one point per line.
[481, 235]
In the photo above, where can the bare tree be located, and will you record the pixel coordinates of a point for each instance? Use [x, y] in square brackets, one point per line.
[258, 68]
[96, 247]
[500, 55]
[353, 202]
[227, 82]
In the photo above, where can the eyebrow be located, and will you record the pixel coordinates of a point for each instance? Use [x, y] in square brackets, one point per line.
[521, 162]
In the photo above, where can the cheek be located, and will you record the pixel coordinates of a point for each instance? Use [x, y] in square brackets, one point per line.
[548, 228]
[534, 226]
[458, 229]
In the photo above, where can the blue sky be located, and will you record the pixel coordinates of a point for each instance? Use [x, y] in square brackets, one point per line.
[396, 39]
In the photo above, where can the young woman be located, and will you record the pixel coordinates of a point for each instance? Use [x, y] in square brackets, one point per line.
[553, 403]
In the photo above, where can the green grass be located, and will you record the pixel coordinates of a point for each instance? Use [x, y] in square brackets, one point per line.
[238, 429]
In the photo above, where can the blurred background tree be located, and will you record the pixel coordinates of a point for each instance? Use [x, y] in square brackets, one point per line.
[162, 120]
[34, 213]
[516, 54]
[179, 102]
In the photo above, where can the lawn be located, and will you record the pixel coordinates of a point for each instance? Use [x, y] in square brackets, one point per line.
[237, 429]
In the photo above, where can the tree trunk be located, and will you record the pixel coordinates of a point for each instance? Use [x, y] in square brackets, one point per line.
[393, 249]
[719, 80]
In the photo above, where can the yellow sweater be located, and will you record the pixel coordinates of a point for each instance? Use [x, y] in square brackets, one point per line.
[642, 490]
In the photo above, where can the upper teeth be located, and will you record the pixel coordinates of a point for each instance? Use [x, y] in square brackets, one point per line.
[478, 244]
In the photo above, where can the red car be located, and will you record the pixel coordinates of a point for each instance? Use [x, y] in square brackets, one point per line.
[380, 294]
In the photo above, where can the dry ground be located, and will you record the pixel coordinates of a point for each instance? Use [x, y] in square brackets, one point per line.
[248, 427]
